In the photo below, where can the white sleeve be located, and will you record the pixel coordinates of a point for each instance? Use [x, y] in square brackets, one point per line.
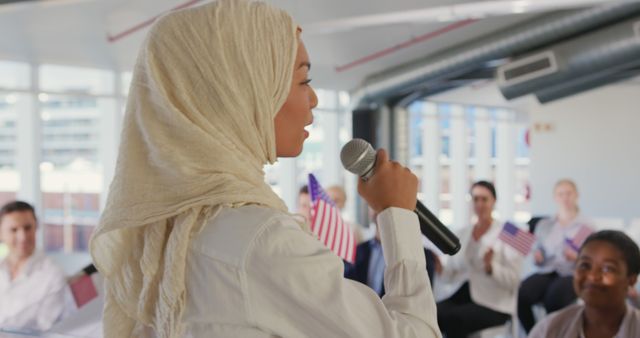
[506, 265]
[295, 285]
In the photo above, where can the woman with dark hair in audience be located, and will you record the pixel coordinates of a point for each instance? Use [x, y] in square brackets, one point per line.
[490, 268]
[608, 265]
[551, 284]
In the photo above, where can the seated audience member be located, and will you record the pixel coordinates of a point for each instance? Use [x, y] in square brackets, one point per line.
[369, 265]
[608, 265]
[339, 196]
[551, 285]
[491, 268]
[32, 287]
[304, 203]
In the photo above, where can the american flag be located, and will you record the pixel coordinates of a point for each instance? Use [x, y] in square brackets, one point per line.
[520, 240]
[327, 224]
[579, 237]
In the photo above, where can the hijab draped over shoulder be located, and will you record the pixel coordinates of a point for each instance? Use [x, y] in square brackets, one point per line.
[198, 129]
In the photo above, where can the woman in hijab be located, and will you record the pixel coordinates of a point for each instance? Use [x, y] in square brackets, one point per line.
[193, 242]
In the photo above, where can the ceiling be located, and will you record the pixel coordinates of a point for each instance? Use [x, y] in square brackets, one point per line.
[374, 34]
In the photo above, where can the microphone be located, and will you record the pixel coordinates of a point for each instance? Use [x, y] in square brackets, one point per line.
[359, 157]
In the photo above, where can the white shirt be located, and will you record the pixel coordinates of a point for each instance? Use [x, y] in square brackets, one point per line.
[253, 272]
[498, 290]
[35, 299]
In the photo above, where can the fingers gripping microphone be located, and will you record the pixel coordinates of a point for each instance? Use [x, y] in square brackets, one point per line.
[359, 157]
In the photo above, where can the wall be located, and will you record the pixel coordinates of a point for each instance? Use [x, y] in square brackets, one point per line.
[592, 138]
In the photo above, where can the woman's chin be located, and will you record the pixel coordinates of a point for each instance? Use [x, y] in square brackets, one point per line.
[292, 152]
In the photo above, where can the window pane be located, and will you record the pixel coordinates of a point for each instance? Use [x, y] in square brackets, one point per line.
[327, 99]
[14, 75]
[521, 196]
[125, 78]
[415, 129]
[76, 80]
[71, 168]
[344, 99]
[71, 129]
[11, 105]
[310, 161]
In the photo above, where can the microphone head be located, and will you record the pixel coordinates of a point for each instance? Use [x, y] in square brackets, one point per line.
[358, 157]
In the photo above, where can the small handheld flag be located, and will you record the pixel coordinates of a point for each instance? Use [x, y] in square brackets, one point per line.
[519, 239]
[327, 224]
[578, 238]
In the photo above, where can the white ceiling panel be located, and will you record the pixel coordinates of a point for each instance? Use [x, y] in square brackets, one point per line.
[75, 32]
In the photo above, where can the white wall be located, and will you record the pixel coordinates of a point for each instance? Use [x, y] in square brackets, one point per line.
[593, 138]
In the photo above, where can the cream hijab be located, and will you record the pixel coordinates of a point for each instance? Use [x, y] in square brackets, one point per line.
[197, 132]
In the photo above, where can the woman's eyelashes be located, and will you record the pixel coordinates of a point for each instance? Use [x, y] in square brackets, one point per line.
[306, 82]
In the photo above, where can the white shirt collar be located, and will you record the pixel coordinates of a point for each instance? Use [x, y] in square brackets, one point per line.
[28, 267]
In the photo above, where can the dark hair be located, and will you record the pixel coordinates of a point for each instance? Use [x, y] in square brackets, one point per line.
[487, 185]
[17, 206]
[622, 242]
[304, 190]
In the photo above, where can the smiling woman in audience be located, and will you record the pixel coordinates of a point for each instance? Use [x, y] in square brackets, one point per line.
[489, 267]
[608, 265]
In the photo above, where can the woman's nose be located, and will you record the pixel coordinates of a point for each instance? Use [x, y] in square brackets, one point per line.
[313, 98]
[594, 275]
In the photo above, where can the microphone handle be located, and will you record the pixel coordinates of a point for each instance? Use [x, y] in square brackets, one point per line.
[437, 232]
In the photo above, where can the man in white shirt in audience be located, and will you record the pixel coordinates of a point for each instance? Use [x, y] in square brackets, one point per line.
[32, 287]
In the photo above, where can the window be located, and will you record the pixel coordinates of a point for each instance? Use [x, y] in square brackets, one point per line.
[54, 78]
[73, 102]
[125, 83]
[521, 197]
[13, 105]
[14, 75]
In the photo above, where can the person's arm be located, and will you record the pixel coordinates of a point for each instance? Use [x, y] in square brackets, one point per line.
[295, 286]
[506, 266]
